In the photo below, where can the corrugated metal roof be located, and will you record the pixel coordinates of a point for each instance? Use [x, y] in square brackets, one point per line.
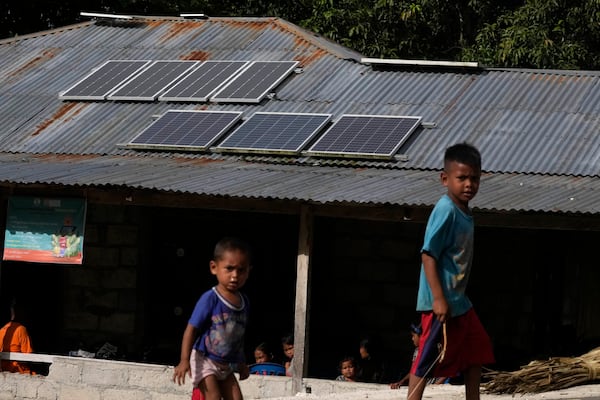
[530, 125]
[313, 184]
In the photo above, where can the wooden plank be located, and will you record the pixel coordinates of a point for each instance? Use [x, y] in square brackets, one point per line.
[31, 357]
[302, 310]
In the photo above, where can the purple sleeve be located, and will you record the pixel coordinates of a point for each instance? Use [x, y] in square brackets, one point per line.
[202, 314]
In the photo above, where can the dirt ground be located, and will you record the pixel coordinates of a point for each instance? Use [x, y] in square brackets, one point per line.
[453, 392]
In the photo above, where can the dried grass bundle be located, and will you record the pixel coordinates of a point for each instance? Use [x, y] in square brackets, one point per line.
[542, 376]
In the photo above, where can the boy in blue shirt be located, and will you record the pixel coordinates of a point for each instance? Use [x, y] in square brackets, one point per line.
[213, 341]
[447, 313]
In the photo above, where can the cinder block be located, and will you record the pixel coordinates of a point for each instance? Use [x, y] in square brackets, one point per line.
[101, 256]
[102, 214]
[127, 300]
[121, 278]
[170, 396]
[47, 391]
[62, 370]
[129, 256]
[156, 378]
[81, 321]
[104, 374]
[125, 394]
[71, 392]
[118, 323]
[122, 235]
[7, 395]
[27, 386]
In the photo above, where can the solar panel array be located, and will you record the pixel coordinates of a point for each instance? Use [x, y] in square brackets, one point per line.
[176, 80]
[203, 81]
[186, 130]
[378, 136]
[149, 83]
[359, 136]
[274, 132]
[101, 81]
[255, 82]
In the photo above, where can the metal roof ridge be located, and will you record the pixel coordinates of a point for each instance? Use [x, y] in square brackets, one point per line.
[319, 41]
[46, 32]
[573, 72]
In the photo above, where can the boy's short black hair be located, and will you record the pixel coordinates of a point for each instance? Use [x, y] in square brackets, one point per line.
[230, 244]
[288, 339]
[346, 359]
[463, 153]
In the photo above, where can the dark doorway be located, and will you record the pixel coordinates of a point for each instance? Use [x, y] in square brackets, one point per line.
[176, 273]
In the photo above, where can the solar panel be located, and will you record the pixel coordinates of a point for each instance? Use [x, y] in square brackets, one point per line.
[378, 136]
[149, 83]
[203, 81]
[274, 132]
[255, 82]
[185, 130]
[102, 80]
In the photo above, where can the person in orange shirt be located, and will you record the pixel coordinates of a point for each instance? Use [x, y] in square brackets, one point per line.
[15, 339]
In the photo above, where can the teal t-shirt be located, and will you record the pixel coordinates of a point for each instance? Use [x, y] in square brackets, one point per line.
[448, 239]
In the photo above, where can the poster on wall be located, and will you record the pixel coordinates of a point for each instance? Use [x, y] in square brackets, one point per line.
[44, 230]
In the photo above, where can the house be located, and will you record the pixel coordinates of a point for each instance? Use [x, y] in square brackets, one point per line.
[336, 236]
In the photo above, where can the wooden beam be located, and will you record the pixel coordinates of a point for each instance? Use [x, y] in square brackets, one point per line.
[302, 309]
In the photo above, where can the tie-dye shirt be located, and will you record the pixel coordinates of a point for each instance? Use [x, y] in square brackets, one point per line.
[222, 326]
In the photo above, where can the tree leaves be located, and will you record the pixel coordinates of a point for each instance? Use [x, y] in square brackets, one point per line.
[503, 33]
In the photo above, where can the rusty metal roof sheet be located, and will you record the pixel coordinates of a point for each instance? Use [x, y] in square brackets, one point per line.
[312, 184]
[530, 125]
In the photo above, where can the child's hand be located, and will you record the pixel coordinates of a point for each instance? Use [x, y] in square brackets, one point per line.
[441, 309]
[244, 371]
[181, 371]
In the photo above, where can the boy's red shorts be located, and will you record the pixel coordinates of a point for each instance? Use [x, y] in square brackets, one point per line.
[467, 345]
[197, 394]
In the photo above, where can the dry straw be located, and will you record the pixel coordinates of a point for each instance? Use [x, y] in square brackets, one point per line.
[545, 375]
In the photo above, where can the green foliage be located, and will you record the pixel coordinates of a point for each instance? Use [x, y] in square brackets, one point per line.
[504, 33]
[410, 29]
[542, 34]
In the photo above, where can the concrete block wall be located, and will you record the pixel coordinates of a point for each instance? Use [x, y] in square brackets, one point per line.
[100, 302]
[72, 378]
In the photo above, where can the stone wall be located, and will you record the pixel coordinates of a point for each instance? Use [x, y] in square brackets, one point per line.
[72, 378]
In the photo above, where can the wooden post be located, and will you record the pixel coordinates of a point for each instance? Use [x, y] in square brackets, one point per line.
[302, 309]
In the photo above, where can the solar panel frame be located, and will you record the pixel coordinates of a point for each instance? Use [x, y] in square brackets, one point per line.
[98, 77]
[262, 128]
[248, 87]
[174, 129]
[153, 80]
[355, 145]
[203, 81]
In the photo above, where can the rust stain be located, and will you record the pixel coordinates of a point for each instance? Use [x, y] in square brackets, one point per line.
[153, 24]
[62, 111]
[252, 25]
[307, 59]
[196, 55]
[46, 55]
[178, 29]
